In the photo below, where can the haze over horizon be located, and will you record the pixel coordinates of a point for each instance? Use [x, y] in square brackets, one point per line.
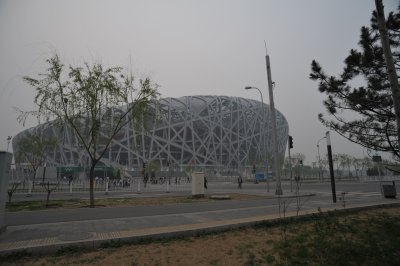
[189, 48]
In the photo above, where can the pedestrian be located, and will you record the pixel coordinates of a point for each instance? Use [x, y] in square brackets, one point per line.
[240, 181]
[145, 179]
[205, 182]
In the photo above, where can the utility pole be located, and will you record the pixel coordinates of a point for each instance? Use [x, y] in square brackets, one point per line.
[328, 144]
[278, 190]
[290, 146]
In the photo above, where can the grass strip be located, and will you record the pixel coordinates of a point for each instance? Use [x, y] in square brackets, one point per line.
[115, 202]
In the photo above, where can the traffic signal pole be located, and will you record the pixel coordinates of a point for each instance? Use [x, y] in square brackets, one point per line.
[328, 143]
[290, 146]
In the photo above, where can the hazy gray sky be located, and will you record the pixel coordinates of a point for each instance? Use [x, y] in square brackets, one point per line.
[188, 47]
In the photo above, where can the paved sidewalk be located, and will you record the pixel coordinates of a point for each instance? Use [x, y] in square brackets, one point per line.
[49, 237]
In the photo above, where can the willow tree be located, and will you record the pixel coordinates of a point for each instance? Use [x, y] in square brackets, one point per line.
[94, 102]
[33, 148]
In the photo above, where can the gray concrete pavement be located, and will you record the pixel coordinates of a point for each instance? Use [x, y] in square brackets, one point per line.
[46, 231]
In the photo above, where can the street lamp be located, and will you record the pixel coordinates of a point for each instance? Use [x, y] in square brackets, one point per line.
[319, 157]
[8, 141]
[263, 118]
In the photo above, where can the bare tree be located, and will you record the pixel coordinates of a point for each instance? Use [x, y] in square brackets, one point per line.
[366, 164]
[357, 166]
[12, 189]
[343, 162]
[50, 187]
[336, 163]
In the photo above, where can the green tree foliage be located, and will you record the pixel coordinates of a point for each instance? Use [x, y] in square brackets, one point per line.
[33, 148]
[94, 102]
[363, 114]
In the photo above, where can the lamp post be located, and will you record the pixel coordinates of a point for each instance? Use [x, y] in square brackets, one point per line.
[278, 190]
[319, 158]
[262, 135]
[261, 130]
[8, 141]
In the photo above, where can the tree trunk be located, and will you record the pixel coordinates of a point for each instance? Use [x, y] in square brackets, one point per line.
[10, 193]
[48, 194]
[33, 179]
[91, 178]
[394, 83]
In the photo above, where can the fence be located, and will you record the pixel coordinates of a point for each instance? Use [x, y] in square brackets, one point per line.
[129, 185]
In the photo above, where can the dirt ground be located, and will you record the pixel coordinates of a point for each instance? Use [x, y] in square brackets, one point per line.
[229, 248]
[250, 246]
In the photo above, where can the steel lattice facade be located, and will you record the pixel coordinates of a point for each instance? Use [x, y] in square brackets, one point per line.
[203, 130]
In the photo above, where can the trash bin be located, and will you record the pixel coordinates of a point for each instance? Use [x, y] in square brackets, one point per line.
[389, 191]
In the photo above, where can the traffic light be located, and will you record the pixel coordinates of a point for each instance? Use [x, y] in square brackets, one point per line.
[144, 165]
[290, 142]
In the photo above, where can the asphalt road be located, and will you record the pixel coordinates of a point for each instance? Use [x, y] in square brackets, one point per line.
[321, 197]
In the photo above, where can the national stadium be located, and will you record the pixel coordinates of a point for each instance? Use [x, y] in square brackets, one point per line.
[209, 131]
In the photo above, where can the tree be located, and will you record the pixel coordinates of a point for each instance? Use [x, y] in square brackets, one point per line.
[373, 120]
[357, 165]
[336, 162]
[297, 163]
[49, 187]
[366, 163]
[391, 68]
[343, 161]
[286, 166]
[324, 165]
[95, 103]
[12, 189]
[348, 162]
[33, 148]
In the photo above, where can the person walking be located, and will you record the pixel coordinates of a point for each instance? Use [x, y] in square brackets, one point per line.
[240, 181]
[205, 182]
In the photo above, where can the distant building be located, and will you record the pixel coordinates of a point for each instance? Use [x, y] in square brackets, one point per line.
[202, 130]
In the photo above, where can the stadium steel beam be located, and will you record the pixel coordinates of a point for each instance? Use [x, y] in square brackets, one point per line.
[213, 130]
